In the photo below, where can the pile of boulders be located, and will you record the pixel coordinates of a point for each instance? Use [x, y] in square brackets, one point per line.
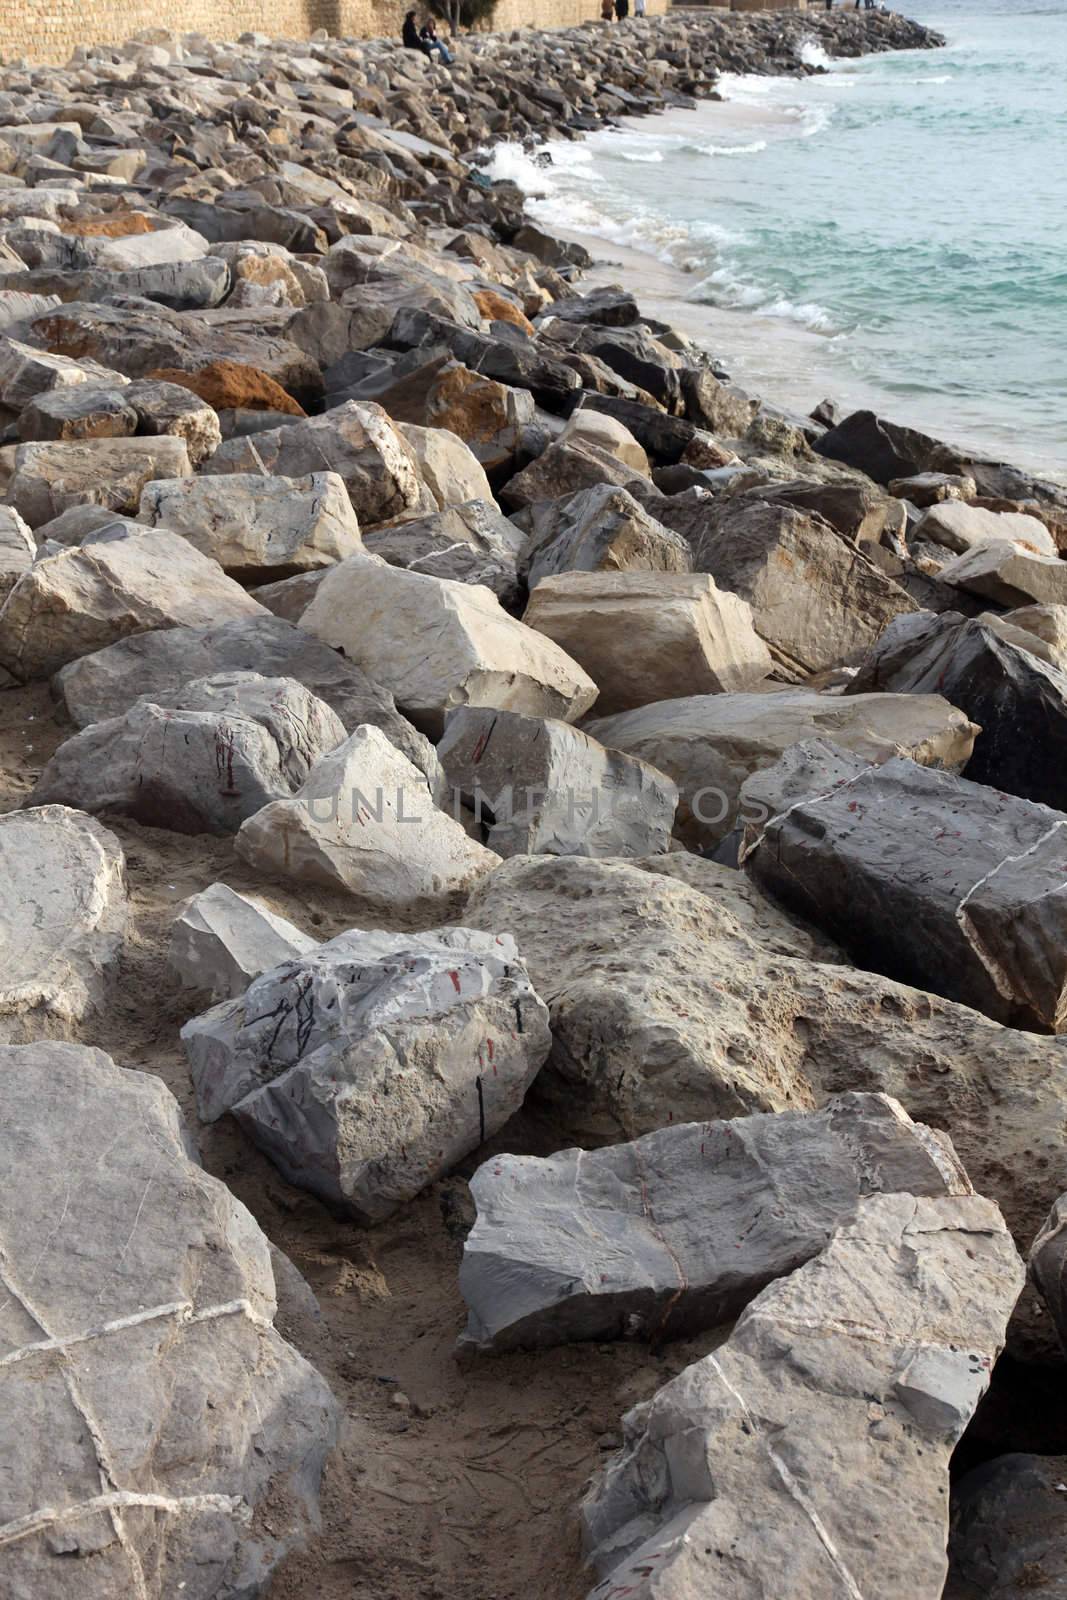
[688, 767]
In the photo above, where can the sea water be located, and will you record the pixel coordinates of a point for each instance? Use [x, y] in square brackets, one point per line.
[891, 233]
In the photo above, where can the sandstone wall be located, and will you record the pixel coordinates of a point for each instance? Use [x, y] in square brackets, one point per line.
[48, 30]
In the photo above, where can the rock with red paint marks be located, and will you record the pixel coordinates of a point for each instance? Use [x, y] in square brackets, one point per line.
[678, 1231]
[376, 1062]
[211, 755]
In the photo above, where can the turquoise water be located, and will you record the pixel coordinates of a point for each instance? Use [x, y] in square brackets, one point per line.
[898, 226]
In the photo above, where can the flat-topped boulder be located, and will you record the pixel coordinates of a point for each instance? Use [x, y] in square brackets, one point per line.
[365, 822]
[160, 1435]
[62, 920]
[680, 1230]
[376, 1062]
[82, 599]
[1009, 574]
[922, 875]
[643, 637]
[437, 644]
[961, 528]
[542, 787]
[214, 754]
[252, 524]
[709, 744]
[823, 1426]
[52, 477]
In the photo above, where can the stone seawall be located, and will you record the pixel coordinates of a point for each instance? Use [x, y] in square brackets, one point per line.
[49, 30]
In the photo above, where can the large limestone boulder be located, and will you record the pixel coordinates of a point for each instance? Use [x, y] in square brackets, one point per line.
[824, 1425]
[471, 542]
[452, 472]
[82, 599]
[1009, 680]
[26, 373]
[678, 1231]
[488, 416]
[438, 644]
[158, 664]
[816, 600]
[373, 1064]
[221, 940]
[220, 750]
[684, 1000]
[364, 821]
[600, 530]
[62, 920]
[709, 744]
[1008, 574]
[544, 788]
[160, 1437]
[356, 440]
[594, 427]
[566, 467]
[105, 472]
[961, 528]
[933, 880]
[258, 526]
[643, 637]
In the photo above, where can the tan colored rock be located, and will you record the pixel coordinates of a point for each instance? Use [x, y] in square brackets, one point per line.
[488, 416]
[227, 385]
[1045, 623]
[437, 644]
[1009, 575]
[603, 529]
[364, 821]
[50, 477]
[962, 527]
[709, 744]
[452, 473]
[258, 525]
[496, 307]
[92, 595]
[644, 637]
[17, 550]
[596, 427]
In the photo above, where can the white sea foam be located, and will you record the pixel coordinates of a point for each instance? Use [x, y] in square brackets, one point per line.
[727, 149]
[813, 55]
[641, 155]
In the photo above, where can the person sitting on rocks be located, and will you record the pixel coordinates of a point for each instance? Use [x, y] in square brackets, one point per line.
[431, 43]
[622, 10]
[410, 34]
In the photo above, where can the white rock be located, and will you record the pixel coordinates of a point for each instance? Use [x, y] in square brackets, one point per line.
[1009, 575]
[221, 940]
[372, 1065]
[251, 523]
[52, 476]
[365, 822]
[62, 919]
[450, 470]
[595, 427]
[438, 644]
[961, 528]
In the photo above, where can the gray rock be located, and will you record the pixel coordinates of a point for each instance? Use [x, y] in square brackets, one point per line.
[62, 920]
[823, 1426]
[471, 543]
[567, 466]
[544, 788]
[221, 940]
[156, 665]
[365, 822]
[18, 548]
[1008, 1537]
[603, 529]
[921, 875]
[375, 1063]
[78, 411]
[160, 1436]
[1008, 574]
[678, 1231]
[171, 409]
[255, 525]
[83, 599]
[711, 743]
[816, 600]
[1048, 1259]
[1005, 679]
[219, 751]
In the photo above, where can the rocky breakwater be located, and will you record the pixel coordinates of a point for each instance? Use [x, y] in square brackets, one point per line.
[391, 634]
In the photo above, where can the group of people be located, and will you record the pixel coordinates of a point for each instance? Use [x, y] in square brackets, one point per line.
[619, 10]
[425, 39]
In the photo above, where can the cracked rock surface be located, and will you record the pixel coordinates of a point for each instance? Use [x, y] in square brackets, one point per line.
[159, 1436]
[375, 1062]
